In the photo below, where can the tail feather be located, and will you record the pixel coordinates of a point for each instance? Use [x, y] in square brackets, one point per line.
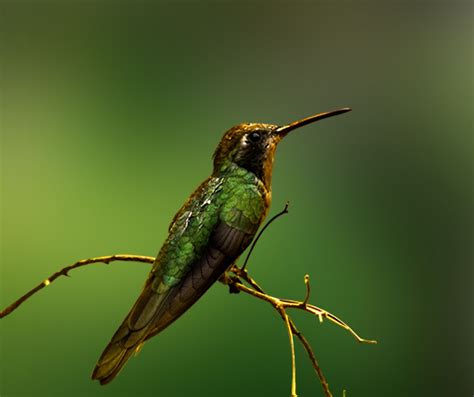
[111, 370]
[130, 335]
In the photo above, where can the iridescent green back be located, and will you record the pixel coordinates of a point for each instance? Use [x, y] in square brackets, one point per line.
[236, 198]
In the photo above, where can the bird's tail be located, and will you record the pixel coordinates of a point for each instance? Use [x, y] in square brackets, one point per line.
[129, 337]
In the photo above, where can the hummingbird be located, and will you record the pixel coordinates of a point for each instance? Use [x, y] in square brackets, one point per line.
[206, 236]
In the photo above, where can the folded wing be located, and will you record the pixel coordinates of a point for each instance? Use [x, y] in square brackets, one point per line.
[154, 311]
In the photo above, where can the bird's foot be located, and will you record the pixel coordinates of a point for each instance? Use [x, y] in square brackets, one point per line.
[230, 280]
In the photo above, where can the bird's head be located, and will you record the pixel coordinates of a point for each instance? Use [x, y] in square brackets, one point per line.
[252, 145]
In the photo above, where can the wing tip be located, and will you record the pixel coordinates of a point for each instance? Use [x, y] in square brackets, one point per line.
[106, 373]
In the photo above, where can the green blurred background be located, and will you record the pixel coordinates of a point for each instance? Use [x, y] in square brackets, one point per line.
[110, 114]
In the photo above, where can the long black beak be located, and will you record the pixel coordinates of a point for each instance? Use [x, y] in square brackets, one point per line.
[284, 130]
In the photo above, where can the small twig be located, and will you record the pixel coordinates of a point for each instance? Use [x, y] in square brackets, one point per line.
[289, 328]
[308, 289]
[283, 212]
[312, 357]
[65, 272]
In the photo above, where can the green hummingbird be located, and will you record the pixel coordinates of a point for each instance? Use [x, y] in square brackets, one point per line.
[207, 235]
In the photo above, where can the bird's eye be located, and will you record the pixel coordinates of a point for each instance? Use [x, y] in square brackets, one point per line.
[254, 136]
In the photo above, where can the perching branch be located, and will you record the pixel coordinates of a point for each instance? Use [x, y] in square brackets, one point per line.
[235, 279]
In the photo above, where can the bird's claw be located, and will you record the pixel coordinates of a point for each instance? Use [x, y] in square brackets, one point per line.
[230, 280]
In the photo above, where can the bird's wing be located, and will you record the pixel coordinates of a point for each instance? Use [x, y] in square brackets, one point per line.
[225, 245]
[168, 292]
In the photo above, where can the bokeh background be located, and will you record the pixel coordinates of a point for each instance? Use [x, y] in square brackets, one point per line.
[110, 114]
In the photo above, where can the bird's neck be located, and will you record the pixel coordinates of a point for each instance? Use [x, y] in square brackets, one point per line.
[261, 174]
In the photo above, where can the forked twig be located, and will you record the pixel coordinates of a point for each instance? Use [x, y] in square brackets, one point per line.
[280, 306]
[314, 362]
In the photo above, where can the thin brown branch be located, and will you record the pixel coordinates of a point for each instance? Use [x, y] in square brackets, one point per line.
[65, 272]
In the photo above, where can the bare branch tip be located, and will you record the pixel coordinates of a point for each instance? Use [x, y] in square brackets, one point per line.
[308, 289]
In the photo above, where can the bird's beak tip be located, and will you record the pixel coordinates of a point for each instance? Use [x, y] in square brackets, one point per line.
[284, 130]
